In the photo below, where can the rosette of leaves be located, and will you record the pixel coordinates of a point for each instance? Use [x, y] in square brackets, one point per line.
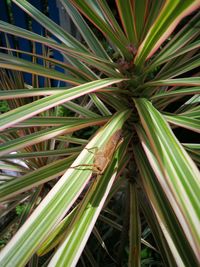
[136, 69]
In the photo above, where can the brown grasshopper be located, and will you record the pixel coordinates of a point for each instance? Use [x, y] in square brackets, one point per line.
[103, 156]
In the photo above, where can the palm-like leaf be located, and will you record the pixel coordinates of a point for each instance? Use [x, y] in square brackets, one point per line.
[144, 80]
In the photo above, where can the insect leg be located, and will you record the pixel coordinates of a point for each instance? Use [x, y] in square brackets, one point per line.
[92, 148]
[77, 167]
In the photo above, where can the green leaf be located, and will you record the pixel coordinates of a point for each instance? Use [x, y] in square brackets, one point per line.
[100, 105]
[23, 93]
[58, 201]
[180, 67]
[156, 193]
[78, 109]
[71, 53]
[106, 12]
[194, 152]
[177, 92]
[57, 235]
[42, 154]
[76, 71]
[194, 81]
[179, 43]
[171, 14]
[192, 146]
[11, 166]
[11, 62]
[46, 134]
[155, 227]
[51, 26]
[192, 113]
[140, 10]
[61, 230]
[70, 250]
[14, 116]
[15, 63]
[106, 24]
[185, 122]
[178, 169]
[34, 178]
[189, 105]
[85, 30]
[126, 15]
[135, 228]
[50, 121]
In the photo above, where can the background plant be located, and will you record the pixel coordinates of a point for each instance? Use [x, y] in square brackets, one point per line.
[138, 72]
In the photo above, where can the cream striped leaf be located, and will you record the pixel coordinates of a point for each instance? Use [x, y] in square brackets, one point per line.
[180, 172]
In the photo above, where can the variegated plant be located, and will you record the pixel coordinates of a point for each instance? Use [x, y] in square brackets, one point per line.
[144, 80]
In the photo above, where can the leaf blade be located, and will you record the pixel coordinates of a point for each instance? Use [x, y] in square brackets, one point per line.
[176, 167]
[170, 16]
[30, 110]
